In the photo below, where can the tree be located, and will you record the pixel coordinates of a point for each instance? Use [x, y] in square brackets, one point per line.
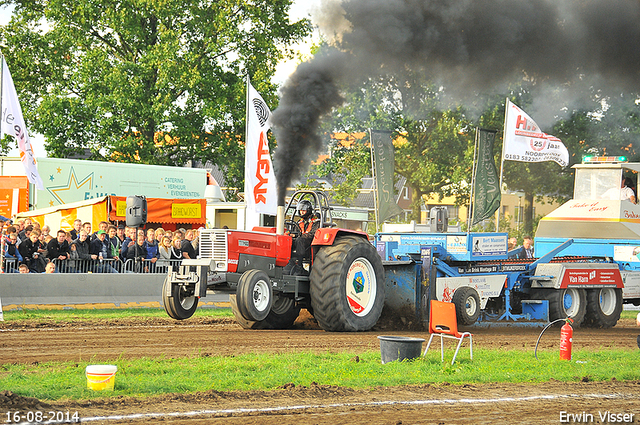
[350, 160]
[435, 155]
[431, 145]
[146, 81]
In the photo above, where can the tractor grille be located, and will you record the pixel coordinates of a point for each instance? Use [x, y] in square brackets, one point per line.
[213, 244]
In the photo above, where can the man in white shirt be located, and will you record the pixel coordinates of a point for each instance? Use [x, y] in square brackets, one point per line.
[624, 193]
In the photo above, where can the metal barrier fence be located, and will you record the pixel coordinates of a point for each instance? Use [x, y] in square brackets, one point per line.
[104, 266]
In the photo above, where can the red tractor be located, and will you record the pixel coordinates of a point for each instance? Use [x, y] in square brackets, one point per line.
[341, 283]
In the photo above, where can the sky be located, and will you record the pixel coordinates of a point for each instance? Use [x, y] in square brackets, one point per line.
[299, 9]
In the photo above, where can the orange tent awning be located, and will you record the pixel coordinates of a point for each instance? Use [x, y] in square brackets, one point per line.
[160, 210]
[14, 195]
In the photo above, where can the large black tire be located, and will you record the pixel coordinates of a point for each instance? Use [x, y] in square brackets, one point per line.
[182, 303]
[467, 304]
[254, 295]
[347, 285]
[604, 306]
[283, 314]
[566, 302]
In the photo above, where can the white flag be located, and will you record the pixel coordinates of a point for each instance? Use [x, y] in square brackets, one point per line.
[13, 124]
[259, 178]
[524, 141]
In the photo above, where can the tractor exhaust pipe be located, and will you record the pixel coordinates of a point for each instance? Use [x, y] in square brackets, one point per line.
[280, 220]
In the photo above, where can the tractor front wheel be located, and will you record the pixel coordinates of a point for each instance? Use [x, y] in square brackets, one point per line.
[254, 295]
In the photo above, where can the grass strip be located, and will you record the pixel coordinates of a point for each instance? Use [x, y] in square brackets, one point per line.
[153, 376]
[84, 314]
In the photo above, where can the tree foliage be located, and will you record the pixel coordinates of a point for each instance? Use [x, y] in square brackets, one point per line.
[157, 82]
[351, 162]
[431, 145]
[434, 155]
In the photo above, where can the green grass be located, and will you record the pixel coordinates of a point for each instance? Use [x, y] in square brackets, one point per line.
[147, 377]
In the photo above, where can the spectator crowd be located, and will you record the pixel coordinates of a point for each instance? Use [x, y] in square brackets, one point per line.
[29, 248]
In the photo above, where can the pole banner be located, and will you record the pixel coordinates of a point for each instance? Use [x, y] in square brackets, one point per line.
[384, 168]
[487, 188]
[260, 180]
[13, 124]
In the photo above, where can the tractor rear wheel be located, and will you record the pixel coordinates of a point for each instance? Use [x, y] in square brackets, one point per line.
[283, 314]
[604, 306]
[182, 303]
[254, 295]
[347, 285]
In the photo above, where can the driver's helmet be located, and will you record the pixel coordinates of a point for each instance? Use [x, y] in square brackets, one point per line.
[304, 208]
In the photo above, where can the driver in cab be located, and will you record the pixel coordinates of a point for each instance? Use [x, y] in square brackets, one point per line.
[308, 224]
[626, 191]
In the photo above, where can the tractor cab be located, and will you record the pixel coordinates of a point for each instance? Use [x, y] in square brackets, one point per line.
[294, 222]
[598, 209]
[320, 209]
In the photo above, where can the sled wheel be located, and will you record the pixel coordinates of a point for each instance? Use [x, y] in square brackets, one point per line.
[604, 306]
[567, 302]
[347, 285]
[467, 304]
[182, 302]
[254, 295]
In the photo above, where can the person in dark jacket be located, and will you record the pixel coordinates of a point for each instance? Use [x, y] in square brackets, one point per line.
[152, 246]
[75, 232]
[188, 251]
[58, 250]
[80, 253]
[11, 248]
[527, 248]
[138, 253]
[33, 252]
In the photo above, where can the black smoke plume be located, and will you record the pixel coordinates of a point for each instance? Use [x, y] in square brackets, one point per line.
[467, 46]
[308, 94]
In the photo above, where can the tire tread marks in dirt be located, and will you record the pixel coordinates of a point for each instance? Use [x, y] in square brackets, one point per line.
[276, 319]
[328, 285]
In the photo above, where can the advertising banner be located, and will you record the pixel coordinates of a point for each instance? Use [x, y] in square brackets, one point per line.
[525, 142]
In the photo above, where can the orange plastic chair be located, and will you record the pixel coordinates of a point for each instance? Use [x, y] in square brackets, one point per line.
[443, 322]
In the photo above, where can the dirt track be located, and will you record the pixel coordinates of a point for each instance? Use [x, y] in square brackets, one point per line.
[24, 342]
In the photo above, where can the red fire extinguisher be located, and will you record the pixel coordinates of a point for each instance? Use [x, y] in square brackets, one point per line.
[566, 339]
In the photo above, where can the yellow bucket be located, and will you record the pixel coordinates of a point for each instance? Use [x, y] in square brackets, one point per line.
[101, 377]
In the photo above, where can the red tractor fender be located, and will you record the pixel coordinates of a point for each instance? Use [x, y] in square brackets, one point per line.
[327, 235]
